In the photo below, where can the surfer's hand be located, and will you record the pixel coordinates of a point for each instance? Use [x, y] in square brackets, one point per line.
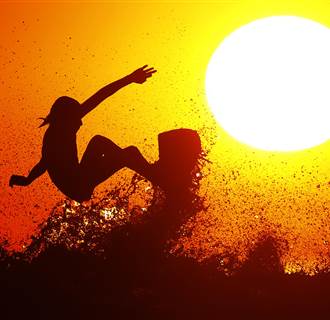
[18, 181]
[140, 75]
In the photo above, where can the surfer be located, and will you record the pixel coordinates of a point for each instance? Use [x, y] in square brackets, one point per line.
[102, 157]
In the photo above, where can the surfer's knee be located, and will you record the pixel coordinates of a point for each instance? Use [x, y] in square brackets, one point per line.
[98, 142]
[131, 151]
[97, 139]
[130, 155]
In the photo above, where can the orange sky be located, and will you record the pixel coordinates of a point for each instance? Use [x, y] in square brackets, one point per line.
[53, 49]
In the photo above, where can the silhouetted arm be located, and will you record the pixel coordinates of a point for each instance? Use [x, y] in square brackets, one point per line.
[138, 76]
[37, 171]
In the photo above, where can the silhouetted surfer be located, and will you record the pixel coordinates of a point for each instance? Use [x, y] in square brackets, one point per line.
[102, 157]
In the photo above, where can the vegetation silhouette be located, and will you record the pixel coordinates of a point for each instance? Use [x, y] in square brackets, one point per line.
[102, 157]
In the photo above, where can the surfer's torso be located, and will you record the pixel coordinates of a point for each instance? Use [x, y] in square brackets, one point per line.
[59, 152]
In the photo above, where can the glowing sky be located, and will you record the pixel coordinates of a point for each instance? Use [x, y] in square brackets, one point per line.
[53, 49]
[267, 83]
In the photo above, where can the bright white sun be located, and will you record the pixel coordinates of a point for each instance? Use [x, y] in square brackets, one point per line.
[268, 83]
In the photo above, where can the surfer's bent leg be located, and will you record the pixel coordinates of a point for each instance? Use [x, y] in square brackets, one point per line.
[97, 149]
[134, 160]
[101, 159]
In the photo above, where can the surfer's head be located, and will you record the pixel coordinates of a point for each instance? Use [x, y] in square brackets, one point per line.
[64, 113]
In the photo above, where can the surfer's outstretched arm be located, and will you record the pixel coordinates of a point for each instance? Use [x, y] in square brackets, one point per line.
[37, 171]
[138, 76]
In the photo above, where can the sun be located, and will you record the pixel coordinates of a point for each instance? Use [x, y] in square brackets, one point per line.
[268, 83]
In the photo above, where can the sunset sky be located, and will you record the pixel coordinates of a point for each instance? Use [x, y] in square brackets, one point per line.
[54, 48]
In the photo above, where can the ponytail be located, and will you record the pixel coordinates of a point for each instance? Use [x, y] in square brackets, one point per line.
[61, 111]
[45, 121]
